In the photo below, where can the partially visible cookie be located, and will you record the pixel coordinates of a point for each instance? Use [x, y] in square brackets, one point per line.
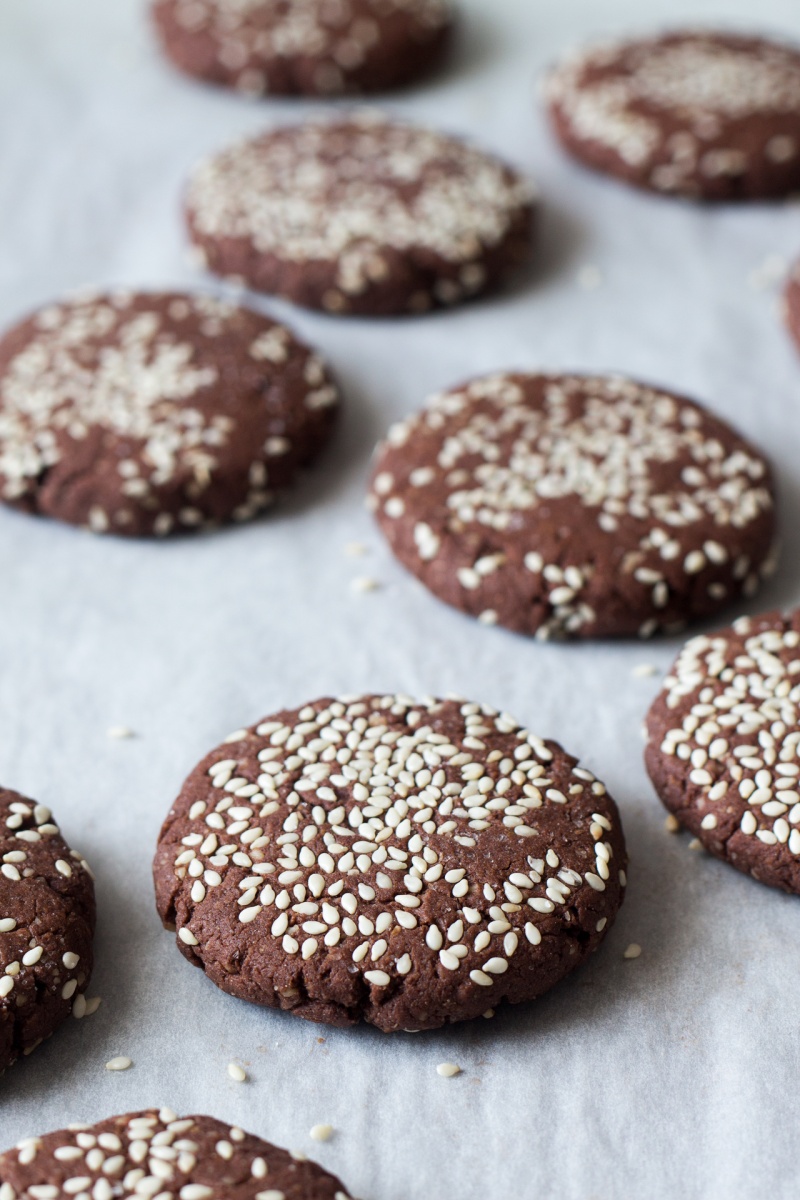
[144, 414]
[792, 303]
[405, 863]
[723, 747]
[306, 47]
[363, 215]
[569, 505]
[158, 1152]
[47, 917]
[714, 116]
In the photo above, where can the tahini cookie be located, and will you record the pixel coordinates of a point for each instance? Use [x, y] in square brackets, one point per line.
[47, 917]
[156, 1152]
[404, 863]
[723, 748]
[363, 215]
[306, 47]
[712, 116]
[147, 414]
[575, 506]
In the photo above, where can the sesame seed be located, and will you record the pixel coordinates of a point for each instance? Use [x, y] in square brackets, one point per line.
[448, 1070]
[120, 1063]
[634, 950]
[237, 1073]
[321, 1133]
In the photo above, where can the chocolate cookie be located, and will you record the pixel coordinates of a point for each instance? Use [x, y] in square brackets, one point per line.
[723, 747]
[144, 414]
[408, 864]
[567, 505]
[307, 47]
[144, 1153]
[47, 919]
[364, 215]
[714, 116]
[792, 303]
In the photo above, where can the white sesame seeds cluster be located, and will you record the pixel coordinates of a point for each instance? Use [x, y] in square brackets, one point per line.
[406, 840]
[133, 394]
[724, 749]
[46, 925]
[255, 41]
[361, 196]
[686, 112]
[157, 1155]
[570, 505]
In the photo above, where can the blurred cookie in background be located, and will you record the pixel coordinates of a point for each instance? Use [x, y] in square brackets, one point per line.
[702, 114]
[305, 47]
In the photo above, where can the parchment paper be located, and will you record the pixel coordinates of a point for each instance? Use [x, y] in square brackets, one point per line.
[674, 1075]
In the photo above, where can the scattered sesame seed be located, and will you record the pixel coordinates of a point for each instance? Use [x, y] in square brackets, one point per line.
[448, 1070]
[672, 824]
[634, 950]
[364, 583]
[120, 1063]
[695, 844]
[237, 1073]
[644, 671]
[321, 1133]
[120, 732]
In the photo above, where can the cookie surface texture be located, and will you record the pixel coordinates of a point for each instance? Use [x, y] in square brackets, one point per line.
[711, 116]
[364, 216]
[47, 917]
[202, 1158]
[723, 747]
[575, 506]
[305, 47]
[792, 303]
[409, 864]
[144, 414]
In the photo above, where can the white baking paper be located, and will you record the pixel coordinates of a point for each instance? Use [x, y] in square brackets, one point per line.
[674, 1075]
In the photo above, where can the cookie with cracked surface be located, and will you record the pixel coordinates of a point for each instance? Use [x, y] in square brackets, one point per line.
[362, 216]
[723, 745]
[575, 506]
[409, 864]
[194, 1158]
[47, 917]
[707, 115]
[144, 414]
[305, 47]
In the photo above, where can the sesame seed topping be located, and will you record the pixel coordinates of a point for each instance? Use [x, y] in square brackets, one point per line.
[237, 1073]
[634, 950]
[448, 1070]
[321, 1133]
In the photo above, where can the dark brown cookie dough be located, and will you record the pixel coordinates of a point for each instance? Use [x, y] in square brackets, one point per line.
[406, 863]
[363, 215]
[712, 116]
[792, 303]
[306, 47]
[144, 414]
[47, 917]
[723, 747]
[189, 1158]
[573, 506]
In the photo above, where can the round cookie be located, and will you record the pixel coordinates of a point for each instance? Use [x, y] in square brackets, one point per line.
[568, 505]
[47, 918]
[194, 1158]
[406, 863]
[305, 47]
[712, 116]
[363, 215]
[723, 745]
[144, 414]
